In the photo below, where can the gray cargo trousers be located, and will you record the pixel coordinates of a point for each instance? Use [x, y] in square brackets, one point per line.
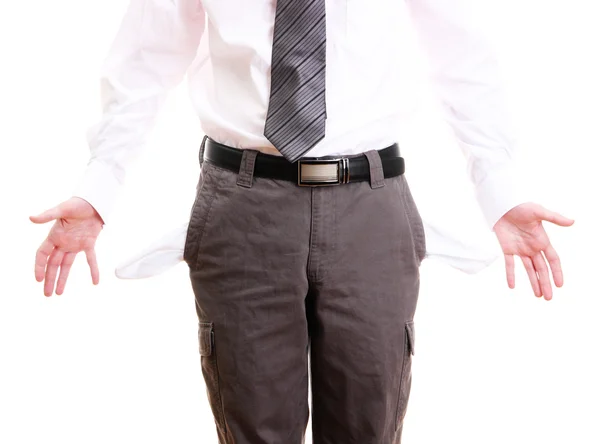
[281, 272]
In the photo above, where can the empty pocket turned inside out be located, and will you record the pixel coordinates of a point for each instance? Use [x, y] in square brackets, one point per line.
[210, 371]
[410, 336]
[206, 338]
[406, 375]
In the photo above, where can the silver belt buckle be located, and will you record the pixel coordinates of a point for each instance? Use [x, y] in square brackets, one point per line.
[322, 172]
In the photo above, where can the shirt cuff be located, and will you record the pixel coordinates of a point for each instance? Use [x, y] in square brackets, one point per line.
[502, 190]
[99, 187]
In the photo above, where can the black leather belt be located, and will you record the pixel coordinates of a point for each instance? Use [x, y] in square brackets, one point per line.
[308, 171]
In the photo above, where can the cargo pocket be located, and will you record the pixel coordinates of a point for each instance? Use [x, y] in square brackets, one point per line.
[208, 357]
[406, 372]
[205, 194]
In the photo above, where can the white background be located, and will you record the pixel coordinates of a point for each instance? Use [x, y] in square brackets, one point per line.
[118, 363]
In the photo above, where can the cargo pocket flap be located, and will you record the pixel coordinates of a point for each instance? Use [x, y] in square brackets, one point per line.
[205, 333]
[410, 336]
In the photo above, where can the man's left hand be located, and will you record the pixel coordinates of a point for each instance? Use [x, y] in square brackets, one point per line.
[520, 232]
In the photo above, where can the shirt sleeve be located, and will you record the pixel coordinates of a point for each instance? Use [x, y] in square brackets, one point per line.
[153, 48]
[466, 79]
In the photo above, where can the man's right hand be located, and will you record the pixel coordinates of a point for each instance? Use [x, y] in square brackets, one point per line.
[76, 229]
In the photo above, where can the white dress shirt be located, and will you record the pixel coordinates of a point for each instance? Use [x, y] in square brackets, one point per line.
[369, 92]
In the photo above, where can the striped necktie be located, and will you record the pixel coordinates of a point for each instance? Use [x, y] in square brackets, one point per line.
[296, 114]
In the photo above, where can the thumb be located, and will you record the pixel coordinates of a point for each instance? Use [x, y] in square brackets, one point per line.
[554, 217]
[46, 216]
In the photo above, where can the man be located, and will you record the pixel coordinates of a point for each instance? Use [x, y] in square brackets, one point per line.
[304, 237]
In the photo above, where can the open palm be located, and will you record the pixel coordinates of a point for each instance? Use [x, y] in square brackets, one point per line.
[76, 229]
[520, 232]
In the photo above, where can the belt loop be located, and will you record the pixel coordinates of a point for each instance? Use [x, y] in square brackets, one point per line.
[201, 153]
[375, 168]
[246, 173]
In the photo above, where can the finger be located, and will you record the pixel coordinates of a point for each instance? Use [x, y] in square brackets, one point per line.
[509, 261]
[54, 261]
[555, 266]
[543, 275]
[554, 217]
[93, 263]
[532, 276]
[65, 267]
[46, 216]
[41, 258]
